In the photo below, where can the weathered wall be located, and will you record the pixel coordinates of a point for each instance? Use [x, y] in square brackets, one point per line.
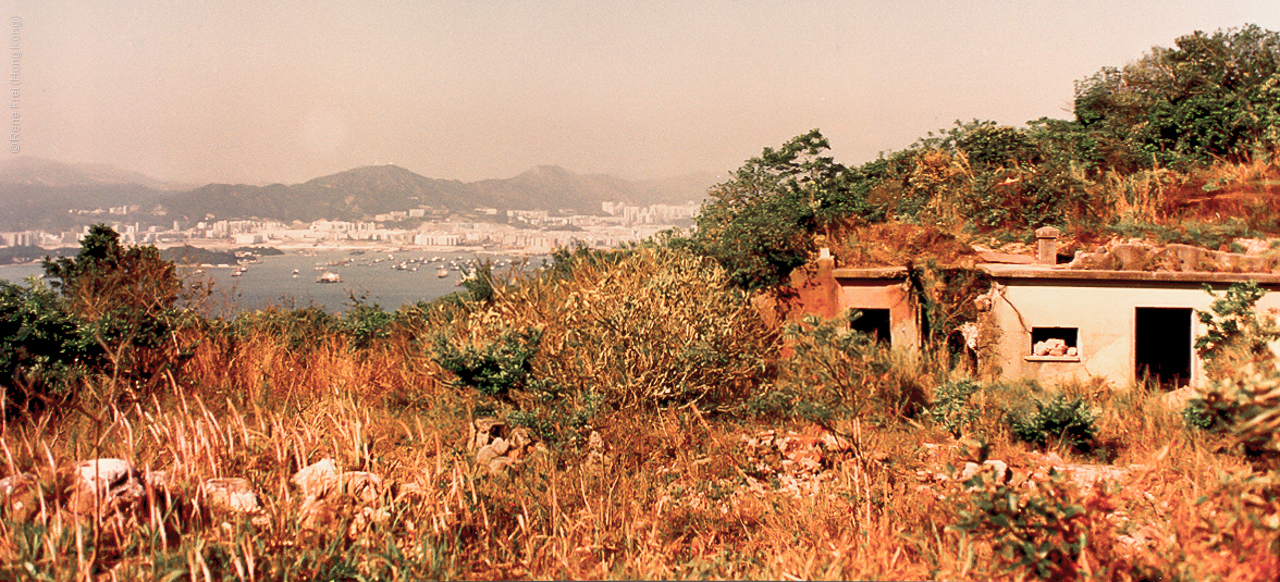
[891, 294]
[1103, 312]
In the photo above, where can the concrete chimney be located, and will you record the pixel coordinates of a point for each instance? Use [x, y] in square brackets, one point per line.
[1047, 245]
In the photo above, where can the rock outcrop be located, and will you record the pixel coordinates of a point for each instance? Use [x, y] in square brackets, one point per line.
[498, 447]
[1137, 255]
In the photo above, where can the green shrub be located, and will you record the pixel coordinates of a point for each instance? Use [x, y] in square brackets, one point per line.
[1234, 333]
[643, 327]
[44, 349]
[1059, 420]
[951, 407]
[365, 322]
[299, 328]
[556, 415]
[1243, 397]
[837, 372]
[1041, 529]
[129, 299]
[493, 367]
[1198, 416]
[759, 226]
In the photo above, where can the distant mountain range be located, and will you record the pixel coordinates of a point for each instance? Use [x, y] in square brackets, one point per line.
[37, 193]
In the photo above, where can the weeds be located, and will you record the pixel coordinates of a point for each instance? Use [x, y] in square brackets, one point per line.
[951, 407]
[1059, 420]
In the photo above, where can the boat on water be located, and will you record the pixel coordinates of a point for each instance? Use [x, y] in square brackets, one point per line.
[329, 278]
[442, 273]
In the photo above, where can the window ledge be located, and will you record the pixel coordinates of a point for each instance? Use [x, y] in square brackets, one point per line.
[1051, 358]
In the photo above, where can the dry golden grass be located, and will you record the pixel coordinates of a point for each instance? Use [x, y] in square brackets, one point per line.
[672, 498]
[675, 490]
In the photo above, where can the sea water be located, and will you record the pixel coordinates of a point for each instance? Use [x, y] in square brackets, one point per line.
[290, 280]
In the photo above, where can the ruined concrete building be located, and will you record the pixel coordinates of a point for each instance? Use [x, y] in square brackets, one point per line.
[1124, 313]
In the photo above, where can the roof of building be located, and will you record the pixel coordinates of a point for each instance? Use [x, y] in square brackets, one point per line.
[1061, 273]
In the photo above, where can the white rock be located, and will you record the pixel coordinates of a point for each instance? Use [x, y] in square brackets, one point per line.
[105, 472]
[104, 485]
[361, 485]
[230, 494]
[485, 454]
[316, 479]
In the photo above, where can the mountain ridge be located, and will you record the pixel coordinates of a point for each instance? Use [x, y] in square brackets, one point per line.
[35, 191]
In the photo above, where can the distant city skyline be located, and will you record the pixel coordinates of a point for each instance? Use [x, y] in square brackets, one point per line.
[233, 92]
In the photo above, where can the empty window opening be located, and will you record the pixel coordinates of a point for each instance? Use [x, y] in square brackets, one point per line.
[873, 322]
[1055, 342]
[1162, 345]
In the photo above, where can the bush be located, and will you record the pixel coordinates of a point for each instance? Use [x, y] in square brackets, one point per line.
[365, 322]
[1235, 335]
[128, 297]
[759, 226]
[1060, 420]
[1037, 526]
[1239, 349]
[951, 407]
[630, 329]
[837, 372]
[495, 367]
[43, 349]
[298, 328]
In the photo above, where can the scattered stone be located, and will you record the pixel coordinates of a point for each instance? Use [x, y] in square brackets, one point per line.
[13, 483]
[329, 492]
[1099, 261]
[156, 480]
[362, 486]
[1132, 257]
[1055, 347]
[486, 454]
[1176, 400]
[597, 450]
[485, 429]
[20, 496]
[105, 472]
[499, 447]
[1254, 246]
[316, 479]
[998, 467]
[229, 494]
[105, 486]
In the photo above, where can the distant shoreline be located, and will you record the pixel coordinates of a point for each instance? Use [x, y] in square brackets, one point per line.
[222, 245]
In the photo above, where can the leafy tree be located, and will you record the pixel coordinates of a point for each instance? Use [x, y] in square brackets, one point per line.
[128, 298]
[760, 224]
[1213, 96]
[106, 277]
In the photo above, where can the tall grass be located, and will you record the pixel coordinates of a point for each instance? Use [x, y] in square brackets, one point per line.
[648, 349]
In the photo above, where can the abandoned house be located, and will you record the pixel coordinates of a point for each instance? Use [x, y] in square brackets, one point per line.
[1127, 313]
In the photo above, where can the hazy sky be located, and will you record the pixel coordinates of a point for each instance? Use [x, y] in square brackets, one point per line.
[241, 91]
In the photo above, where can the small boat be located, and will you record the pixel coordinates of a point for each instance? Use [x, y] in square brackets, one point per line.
[329, 278]
[442, 273]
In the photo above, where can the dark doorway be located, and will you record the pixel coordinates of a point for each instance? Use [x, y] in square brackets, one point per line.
[873, 322]
[1162, 345]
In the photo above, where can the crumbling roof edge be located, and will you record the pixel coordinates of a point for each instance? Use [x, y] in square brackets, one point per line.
[870, 273]
[1003, 271]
